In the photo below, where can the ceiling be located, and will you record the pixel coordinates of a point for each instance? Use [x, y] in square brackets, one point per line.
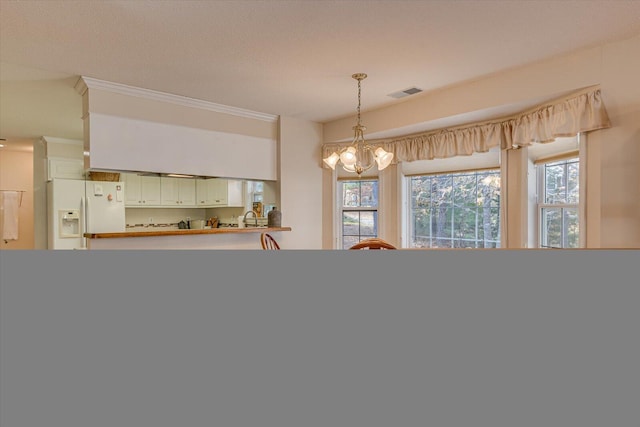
[291, 58]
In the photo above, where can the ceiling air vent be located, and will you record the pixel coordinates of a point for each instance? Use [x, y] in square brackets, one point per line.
[406, 92]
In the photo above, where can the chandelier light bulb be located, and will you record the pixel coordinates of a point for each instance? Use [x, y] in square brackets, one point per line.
[348, 157]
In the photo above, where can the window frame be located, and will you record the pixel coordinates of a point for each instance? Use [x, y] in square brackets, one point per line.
[407, 202]
[340, 208]
[542, 204]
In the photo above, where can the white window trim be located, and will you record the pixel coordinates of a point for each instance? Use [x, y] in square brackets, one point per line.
[405, 214]
[403, 211]
[582, 195]
[337, 206]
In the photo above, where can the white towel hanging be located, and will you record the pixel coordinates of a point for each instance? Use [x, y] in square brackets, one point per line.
[10, 204]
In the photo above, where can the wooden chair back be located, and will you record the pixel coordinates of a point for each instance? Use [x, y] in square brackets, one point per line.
[268, 242]
[373, 243]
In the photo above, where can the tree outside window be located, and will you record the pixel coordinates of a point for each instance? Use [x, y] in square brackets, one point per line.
[558, 203]
[359, 207]
[456, 210]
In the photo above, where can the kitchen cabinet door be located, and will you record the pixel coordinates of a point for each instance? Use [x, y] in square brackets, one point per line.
[216, 192]
[132, 196]
[187, 192]
[211, 192]
[65, 168]
[204, 193]
[141, 191]
[235, 193]
[150, 190]
[178, 192]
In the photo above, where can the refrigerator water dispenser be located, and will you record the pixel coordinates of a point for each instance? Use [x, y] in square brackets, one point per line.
[69, 223]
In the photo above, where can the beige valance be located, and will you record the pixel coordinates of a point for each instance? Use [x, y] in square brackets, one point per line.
[581, 112]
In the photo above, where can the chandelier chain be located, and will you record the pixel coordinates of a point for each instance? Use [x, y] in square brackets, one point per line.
[359, 80]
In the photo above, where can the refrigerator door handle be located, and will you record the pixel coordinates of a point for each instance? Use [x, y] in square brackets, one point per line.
[83, 219]
[87, 206]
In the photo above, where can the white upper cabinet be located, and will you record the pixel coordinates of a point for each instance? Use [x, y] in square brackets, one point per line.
[178, 192]
[219, 192]
[141, 191]
[65, 168]
[206, 193]
[150, 190]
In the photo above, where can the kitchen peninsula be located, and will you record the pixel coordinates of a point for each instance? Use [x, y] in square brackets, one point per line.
[212, 238]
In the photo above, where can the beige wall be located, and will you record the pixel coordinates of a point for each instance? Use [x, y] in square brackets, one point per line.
[301, 189]
[16, 173]
[525, 86]
[619, 147]
[613, 155]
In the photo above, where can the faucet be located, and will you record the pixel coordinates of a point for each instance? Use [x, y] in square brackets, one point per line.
[255, 217]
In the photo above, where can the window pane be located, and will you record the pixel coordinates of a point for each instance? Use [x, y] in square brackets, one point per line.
[351, 194]
[455, 210]
[368, 223]
[359, 214]
[572, 228]
[555, 183]
[369, 194]
[360, 194]
[441, 228]
[573, 185]
[351, 223]
[348, 241]
[552, 227]
[559, 226]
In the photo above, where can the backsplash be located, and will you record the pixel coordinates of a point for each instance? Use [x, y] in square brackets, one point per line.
[160, 216]
[170, 217]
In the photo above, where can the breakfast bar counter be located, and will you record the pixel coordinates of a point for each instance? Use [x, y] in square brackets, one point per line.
[206, 238]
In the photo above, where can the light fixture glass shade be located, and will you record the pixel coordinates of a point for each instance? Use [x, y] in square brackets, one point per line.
[348, 156]
[383, 158]
[332, 160]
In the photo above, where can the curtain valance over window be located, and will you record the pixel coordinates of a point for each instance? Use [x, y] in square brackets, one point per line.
[581, 112]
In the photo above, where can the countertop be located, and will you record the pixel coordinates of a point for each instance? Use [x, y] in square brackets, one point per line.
[183, 232]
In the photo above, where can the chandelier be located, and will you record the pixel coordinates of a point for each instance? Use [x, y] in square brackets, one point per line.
[359, 156]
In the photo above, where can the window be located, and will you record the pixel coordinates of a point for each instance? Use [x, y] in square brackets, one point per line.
[558, 203]
[256, 190]
[455, 210]
[359, 210]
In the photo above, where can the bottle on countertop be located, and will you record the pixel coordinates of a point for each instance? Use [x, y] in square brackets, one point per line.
[274, 218]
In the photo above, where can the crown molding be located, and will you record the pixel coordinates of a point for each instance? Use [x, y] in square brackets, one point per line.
[85, 83]
[80, 86]
[56, 140]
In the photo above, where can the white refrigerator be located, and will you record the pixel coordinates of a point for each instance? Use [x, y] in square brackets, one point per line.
[75, 207]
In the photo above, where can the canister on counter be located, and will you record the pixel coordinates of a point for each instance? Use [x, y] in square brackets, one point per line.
[274, 218]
